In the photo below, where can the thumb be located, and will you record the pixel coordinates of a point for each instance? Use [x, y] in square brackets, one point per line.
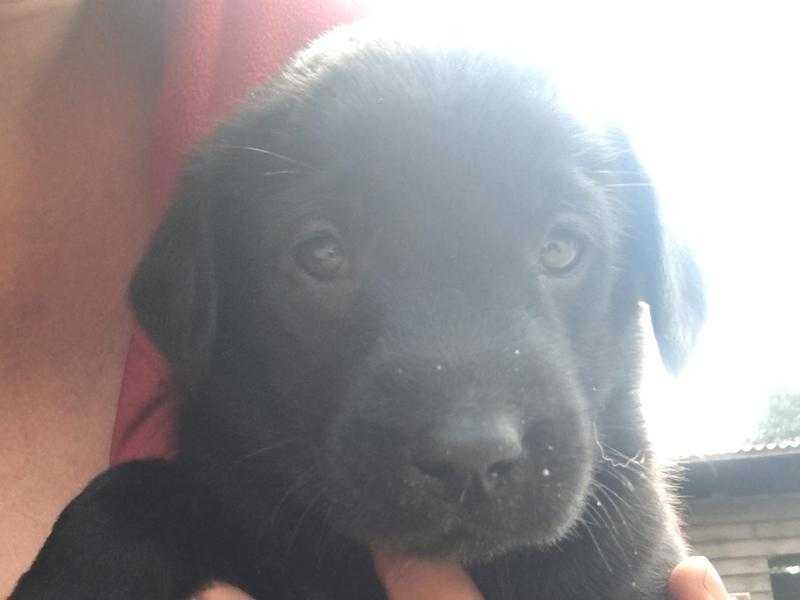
[221, 592]
[696, 579]
[409, 578]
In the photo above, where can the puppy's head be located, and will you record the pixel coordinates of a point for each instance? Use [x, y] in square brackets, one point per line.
[412, 283]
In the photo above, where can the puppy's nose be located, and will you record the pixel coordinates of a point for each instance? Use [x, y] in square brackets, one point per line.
[471, 454]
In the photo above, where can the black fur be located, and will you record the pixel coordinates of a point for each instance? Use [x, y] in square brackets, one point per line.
[361, 291]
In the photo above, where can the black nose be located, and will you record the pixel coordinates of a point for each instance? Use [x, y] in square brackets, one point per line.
[472, 454]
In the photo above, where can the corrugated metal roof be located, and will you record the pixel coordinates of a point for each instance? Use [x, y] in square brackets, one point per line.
[793, 443]
[790, 446]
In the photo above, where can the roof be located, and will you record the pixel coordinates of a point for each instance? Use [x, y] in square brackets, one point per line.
[781, 447]
[769, 468]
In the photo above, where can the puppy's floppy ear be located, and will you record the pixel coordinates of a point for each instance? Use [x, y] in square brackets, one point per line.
[668, 277]
[173, 291]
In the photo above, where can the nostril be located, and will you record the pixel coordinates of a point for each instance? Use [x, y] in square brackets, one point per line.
[458, 478]
[476, 454]
[456, 474]
[500, 469]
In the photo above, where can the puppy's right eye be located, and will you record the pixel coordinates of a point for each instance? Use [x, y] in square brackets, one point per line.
[322, 257]
[560, 253]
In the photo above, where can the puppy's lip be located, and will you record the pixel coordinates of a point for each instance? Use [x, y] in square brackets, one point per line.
[467, 526]
[459, 543]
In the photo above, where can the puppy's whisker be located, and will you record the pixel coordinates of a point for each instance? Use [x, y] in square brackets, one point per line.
[304, 479]
[286, 172]
[628, 185]
[587, 527]
[295, 533]
[609, 497]
[616, 474]
[326, 535]
[608, 490]
[635, 464]
[597, 508]
[612, 172]
[266, 449]
[275, 155]
[607, 520]
[639, 458]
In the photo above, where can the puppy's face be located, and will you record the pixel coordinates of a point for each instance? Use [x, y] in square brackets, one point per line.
[423, 280]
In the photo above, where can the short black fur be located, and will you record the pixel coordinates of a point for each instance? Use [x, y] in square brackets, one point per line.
[401, 292]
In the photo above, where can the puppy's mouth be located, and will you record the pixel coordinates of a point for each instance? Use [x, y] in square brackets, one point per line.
[476, 526]
[467, 513]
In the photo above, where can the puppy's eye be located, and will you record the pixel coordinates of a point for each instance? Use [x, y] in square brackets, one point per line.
[322, 257]
[561, 252]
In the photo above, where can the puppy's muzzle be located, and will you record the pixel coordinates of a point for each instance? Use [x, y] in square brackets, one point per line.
[465, 439]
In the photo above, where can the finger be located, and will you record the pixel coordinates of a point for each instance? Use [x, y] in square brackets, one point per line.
[407, 578]
[696, 579]
[220, 591]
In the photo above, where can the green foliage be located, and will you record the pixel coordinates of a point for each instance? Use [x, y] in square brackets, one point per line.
[783, 419]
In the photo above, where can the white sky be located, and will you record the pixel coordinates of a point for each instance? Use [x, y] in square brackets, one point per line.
[709, 93]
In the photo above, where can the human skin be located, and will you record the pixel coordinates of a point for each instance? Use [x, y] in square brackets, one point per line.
[413, 579]
[72, 224]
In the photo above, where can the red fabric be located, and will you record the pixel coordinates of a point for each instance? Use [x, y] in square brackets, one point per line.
[215, 52]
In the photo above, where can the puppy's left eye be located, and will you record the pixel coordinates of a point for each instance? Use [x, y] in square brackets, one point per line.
[560, 253]
[322, 257]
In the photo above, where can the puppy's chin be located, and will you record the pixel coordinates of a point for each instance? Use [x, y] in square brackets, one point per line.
[467, 544]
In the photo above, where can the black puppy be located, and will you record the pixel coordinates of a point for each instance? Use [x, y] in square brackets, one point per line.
[401, 293]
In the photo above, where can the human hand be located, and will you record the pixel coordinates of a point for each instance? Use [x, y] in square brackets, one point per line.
[410, 578]
[697, 579]
[219, 591]
[404, 578]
